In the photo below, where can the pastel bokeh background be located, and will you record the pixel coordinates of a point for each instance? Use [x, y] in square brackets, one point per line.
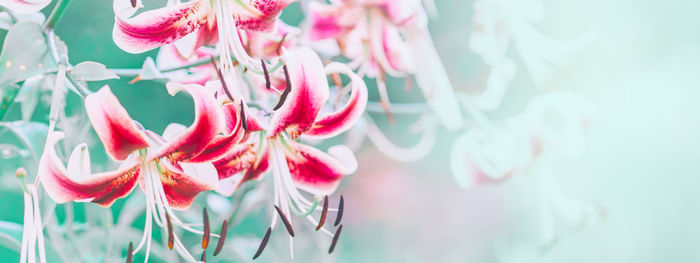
[638, 169]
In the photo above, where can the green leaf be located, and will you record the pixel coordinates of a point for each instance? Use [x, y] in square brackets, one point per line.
[29, 96]
[10, 235]
[7, 97]
[91, 71]
[24, 53]
[32, 135]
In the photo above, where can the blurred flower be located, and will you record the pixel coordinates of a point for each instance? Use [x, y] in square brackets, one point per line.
[497, 22]
[386, 36]
[551, 128]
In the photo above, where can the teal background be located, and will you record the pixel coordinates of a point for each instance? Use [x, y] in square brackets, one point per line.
[640, 164]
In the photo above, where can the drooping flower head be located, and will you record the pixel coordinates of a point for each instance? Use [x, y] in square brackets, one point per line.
[295, 166]
[171, 170]
[195, 23]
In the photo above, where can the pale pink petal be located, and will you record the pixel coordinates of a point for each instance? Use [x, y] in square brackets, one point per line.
[183, 181]
[112, 123]
[208, 123]
[337, 122]
[155, 28]
[77, 183]
[24, 6]
[308, 95]
[318, 172]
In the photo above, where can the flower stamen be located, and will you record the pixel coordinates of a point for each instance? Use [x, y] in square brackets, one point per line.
[263, 244]
[285, 220]
[335, 239]
[222, 239]
[324, 212]
[339, 216]
[207, 231]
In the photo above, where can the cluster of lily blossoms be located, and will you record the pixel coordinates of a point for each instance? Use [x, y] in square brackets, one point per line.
[264, 93]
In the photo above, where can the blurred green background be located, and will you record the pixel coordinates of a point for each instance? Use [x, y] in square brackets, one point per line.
[640, 161]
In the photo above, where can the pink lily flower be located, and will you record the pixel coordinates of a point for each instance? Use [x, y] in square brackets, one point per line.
[388, 36]
[171, 170]
[296, 166]
[25, 6]
[195, 23]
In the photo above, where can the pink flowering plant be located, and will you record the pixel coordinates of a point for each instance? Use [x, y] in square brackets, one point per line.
[279, 113]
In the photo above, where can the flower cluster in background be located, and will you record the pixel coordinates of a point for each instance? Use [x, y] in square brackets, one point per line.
[275, 139]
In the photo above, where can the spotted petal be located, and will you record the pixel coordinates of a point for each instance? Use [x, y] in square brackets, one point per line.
[208, 123]
[257, 15]
[112, 123]
[25, 6]
[309, 93]
[183, 181]
[77, 182]
[318, 172]
[242, 164]
[155, 28]
[337, 122]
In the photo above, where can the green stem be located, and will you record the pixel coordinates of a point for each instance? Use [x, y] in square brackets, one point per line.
[58, 11]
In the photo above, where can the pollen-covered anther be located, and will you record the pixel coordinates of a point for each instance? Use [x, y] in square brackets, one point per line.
[171, 235]
[21, 172]
[263, 243]
[222, 238]
[324, 213]
[207, 231]
[285, 221]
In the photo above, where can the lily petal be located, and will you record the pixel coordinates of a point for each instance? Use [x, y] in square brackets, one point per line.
[317, 172]
[155, 28]
[183, 181]
[308, 95]
[25, 6]
[258, 15]
[208, 123]
[112, 123]
[77, 183]
[328, 21]
[222, 144]
[243, 161]
[340, 121]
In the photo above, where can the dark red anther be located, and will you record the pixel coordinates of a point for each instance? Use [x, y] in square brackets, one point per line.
[285, 220]
[222, 238]
[324, 213]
